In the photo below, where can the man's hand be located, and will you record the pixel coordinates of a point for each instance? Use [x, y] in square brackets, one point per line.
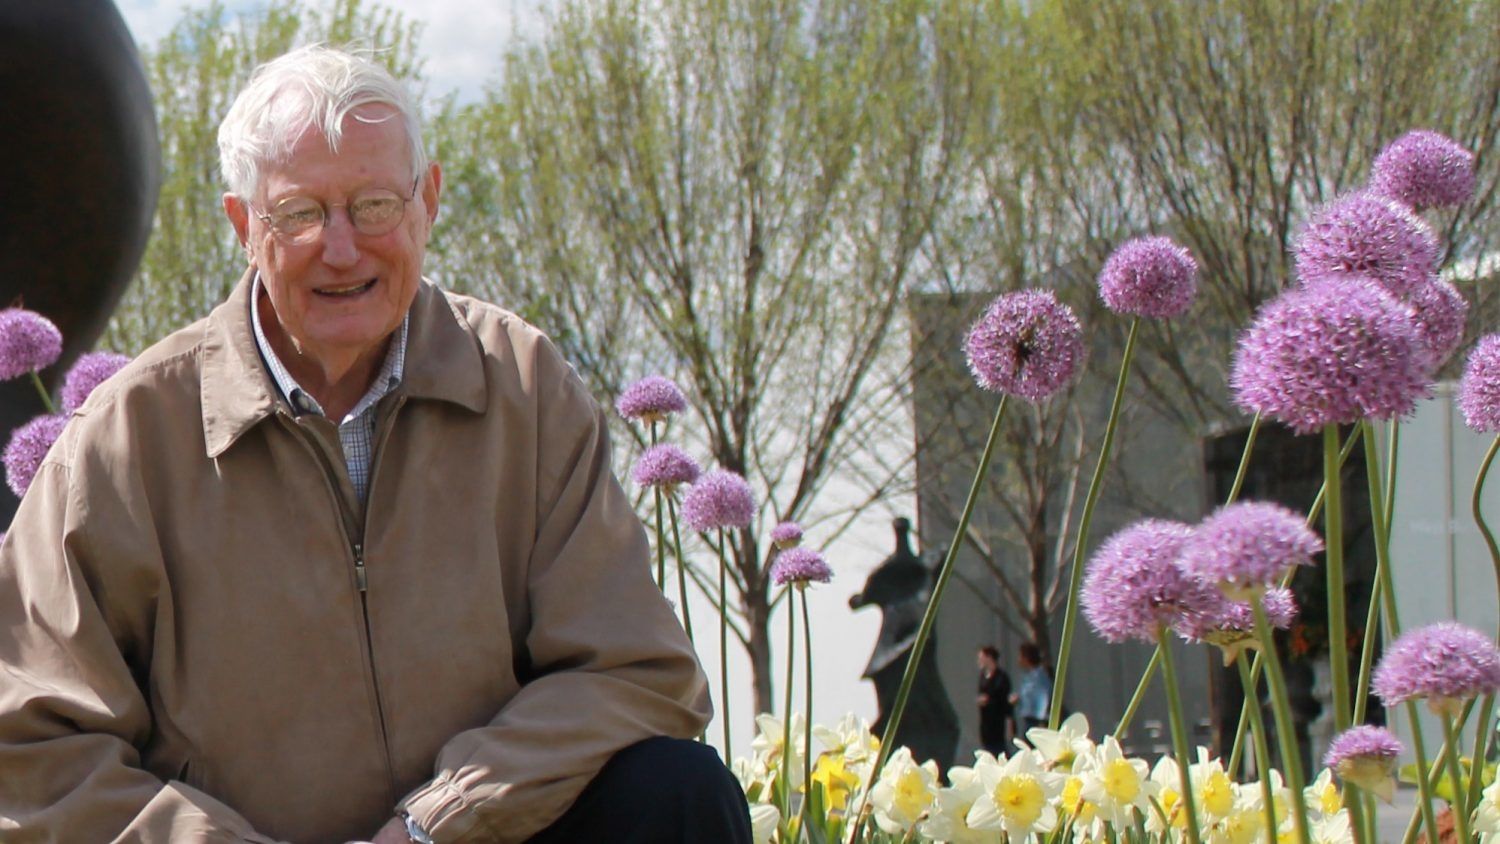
[984, 700]
[394, 832]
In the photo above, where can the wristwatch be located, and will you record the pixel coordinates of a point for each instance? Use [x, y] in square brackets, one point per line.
[414, 831]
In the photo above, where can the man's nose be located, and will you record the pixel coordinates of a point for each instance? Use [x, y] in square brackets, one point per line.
[339, 249]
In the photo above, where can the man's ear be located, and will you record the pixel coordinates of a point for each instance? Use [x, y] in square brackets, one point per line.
[238, 212]
[432, 188]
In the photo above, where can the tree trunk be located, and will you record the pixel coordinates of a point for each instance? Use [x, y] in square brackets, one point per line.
[758, 620]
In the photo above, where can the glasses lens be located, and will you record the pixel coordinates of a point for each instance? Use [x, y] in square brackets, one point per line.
[298, 219]
[376, 212]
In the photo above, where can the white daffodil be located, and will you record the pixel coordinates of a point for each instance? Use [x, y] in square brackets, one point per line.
[753, 779]
[1167, 778]
[1246, 822]
[850, 738]
[1486, 822]
[1333, 829]
[1322, 797]
[764, 818]
[947, 820]
[903, 792]
[1117, 785]
[1080, 815]
[1061, 747]
[1017, 798]
[767, 746]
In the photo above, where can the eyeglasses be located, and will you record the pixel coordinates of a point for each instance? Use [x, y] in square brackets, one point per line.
[299, 220]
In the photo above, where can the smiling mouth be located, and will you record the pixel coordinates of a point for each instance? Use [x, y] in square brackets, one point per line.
[342, 292]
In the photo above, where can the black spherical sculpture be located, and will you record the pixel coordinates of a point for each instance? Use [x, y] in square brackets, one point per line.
[80, 167]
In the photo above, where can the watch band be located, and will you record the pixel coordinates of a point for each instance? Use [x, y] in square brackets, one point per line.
[414, 831]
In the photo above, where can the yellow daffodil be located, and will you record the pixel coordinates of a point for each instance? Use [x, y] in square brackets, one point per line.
[1118, 786]
[1018, 797]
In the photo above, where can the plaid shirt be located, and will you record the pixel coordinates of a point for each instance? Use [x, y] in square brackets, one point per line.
[356, 430]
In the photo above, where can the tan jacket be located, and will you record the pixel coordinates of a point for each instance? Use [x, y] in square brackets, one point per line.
[204, 638]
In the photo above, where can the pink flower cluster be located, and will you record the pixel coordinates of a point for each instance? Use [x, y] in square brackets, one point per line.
[1027, 344]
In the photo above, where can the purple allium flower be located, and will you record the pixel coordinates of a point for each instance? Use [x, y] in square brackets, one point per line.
[1226, 622]
[718, 499]
[1330, 353]
[1424, 169]
[1366, 756]
[1479, 391]
[1149, 277]
[1446, 663]
[786, 535]
[800, 565]
[28, 445]
[665, 466]
[1027, 344]
[88, 372]
[29, 342]
[1438, 312]
[651, 399]
[1133, 585]
[1364, 740]
[1249, 545]
[1367, 234]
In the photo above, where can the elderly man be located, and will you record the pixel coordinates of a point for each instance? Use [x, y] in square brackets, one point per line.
[343, 560]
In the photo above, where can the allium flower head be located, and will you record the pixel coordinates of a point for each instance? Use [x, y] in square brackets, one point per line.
[718, 499]
[800, 566]
[1027, 344]
[29, 342]
[1479, 391]
[786, 535]
[1133, 585]
[1330, 353]
[88, 372]
[1366, 756]
[1247, 546]
[1367, 234]
[1149, 277]
[1446, 663]
[1438, 312]
[1229, 625]
[28, 445]
[651, 399]
[665, 466]
[1424, 169]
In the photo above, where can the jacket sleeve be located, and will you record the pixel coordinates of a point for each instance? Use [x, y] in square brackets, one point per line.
[611, 663]
[72, 714]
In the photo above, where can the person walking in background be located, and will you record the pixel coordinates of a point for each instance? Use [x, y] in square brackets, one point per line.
[995, 707]
[1034, 699]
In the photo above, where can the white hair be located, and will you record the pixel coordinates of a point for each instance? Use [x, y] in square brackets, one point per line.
[310, 87]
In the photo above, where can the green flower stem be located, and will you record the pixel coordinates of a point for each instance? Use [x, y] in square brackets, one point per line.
[807, 720]
[1140, 693]
[929, 616]
[1244, 468]
[786, 727]
[1424, 812]
[1286, 729]
[1484, 528]
[1080, 543]
[1354, 801]
[1481, 750]
[1255, 667]
[661, 544]
[1333, 541]
[1455, 776]
[1179, 735]
[1262, 747]
[1379, 496]
[682, 590]
[724, 645]
[41, 390]
[1367, 653]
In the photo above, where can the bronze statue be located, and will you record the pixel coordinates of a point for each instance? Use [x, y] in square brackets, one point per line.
[900, 586]
[79, 171]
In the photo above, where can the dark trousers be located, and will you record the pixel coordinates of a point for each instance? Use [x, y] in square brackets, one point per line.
[666, 790]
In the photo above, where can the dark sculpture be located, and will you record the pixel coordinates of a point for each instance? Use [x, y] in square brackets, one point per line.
[80, 167]
[900, 586]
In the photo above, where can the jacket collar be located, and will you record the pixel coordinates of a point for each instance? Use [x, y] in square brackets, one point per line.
[443, 363]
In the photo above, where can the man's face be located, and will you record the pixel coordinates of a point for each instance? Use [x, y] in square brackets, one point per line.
[345, 292]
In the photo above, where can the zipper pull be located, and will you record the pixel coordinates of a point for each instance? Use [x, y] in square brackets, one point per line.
[359, 566]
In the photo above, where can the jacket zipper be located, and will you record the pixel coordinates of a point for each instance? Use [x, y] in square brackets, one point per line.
[357, 554]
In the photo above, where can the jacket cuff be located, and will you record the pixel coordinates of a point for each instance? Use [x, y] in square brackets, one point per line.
[440, 809]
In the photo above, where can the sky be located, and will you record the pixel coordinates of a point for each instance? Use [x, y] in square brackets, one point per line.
[462, 41]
